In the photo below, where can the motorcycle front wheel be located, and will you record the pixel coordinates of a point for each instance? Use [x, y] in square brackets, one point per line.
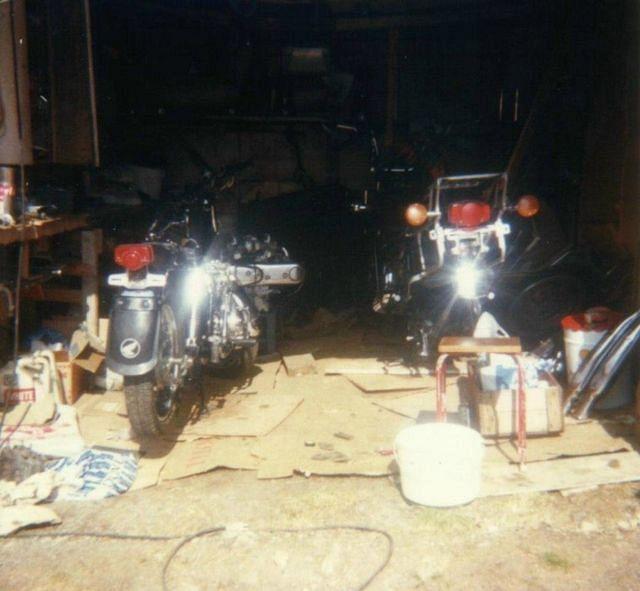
[151, 399]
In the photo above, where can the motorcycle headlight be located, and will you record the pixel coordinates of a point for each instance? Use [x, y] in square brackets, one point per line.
[466, 277]
[196, 285]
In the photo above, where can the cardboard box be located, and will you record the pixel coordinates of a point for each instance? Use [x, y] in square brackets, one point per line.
[496, 409]
[71, 375]
[85, 352]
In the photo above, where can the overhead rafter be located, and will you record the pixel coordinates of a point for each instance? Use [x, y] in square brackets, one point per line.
[421, 20]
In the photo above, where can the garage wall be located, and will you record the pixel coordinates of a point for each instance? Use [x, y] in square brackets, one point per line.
[610, 211]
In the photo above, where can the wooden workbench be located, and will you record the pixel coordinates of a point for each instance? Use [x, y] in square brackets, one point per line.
[37, 229]
[87, 269]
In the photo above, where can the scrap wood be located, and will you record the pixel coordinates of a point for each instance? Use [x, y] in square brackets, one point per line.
[203, 455]
[245, 416]
[306, 441]
[568, 473]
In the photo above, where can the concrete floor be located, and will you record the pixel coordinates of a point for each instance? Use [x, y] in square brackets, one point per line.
[533, 541]
[536, 541]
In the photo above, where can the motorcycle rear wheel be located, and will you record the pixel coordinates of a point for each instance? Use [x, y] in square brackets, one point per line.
[151, 399]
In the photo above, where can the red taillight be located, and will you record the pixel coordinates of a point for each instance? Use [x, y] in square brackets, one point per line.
[134, 257]
[469, 214]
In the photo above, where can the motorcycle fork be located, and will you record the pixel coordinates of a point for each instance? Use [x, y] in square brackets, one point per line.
[192, 336]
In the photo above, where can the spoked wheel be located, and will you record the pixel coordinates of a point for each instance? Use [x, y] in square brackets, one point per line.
[152, 398]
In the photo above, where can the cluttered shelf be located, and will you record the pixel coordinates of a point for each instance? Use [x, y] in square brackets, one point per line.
[37, 229]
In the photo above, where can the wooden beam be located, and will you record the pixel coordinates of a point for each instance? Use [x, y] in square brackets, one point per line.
[53, 294]
[15, 113]
[91, 247]
[392, 87]
[421, 20]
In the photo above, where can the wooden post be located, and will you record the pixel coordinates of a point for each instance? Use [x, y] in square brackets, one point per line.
[91, 248]
[392, 87]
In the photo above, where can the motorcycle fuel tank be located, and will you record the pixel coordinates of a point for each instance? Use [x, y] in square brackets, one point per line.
[132, 339]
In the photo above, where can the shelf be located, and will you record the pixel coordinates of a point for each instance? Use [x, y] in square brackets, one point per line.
[37, 229]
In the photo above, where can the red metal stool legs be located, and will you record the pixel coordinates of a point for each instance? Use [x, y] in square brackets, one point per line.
[441, 389]
[521, 401]
[521, 411]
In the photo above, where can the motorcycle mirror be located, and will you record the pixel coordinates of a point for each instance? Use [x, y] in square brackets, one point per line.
[528, 206]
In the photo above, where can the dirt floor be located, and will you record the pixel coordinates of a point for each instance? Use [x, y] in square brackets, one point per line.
[586, 540]
[537, 541]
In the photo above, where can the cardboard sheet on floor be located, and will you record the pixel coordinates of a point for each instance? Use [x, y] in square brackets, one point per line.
[377, 384]
[245, 416]
[261, 379]
[368, 366]
[107, 430]
[30, 413]
[202, 455]
[97, 404]
[298, 365]
[411, 406]
[335, 431]
[578, 439]
[59, 438]
[499, 478]
[152, 460]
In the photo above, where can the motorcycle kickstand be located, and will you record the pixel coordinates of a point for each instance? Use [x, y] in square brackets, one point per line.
[203, 411]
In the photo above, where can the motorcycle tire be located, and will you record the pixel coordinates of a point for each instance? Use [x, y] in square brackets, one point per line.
[150, 406]
[237, 364]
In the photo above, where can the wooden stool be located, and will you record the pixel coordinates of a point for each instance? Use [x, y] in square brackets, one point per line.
[454, 346]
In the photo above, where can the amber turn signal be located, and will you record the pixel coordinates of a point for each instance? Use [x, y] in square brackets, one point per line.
[528, 206]
[416, 214]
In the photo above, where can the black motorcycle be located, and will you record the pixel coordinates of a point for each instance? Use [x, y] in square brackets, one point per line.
[186, 303]
[446, 267]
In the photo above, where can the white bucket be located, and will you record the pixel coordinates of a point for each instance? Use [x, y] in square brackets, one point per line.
[582, 332]
[440, 463]
[577, 346]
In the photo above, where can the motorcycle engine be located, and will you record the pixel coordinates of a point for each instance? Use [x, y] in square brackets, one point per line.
[240, 321]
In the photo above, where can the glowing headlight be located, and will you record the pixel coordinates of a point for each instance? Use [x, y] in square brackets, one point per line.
[467, 280]
[196, 285]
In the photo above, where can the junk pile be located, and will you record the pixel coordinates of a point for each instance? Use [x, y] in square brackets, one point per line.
[598, 373]
[43, 456]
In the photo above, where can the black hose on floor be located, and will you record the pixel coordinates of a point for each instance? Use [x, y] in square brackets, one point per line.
[219, 529]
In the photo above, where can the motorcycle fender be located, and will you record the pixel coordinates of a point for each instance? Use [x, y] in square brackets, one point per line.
[132, 341]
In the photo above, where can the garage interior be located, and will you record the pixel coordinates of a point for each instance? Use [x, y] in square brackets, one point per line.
[326, 294]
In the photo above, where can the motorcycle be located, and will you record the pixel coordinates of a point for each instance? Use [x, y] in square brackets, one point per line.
[446, 269]
[184, 305]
